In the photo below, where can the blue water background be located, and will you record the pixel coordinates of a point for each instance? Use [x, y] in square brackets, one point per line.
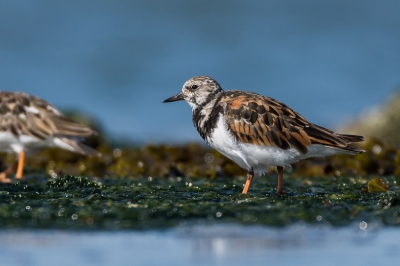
[118, 60]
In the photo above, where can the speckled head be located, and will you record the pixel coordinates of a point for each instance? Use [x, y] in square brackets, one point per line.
[197, 91]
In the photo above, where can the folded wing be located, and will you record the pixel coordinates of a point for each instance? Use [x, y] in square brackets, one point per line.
[24, 114]
[253, 118]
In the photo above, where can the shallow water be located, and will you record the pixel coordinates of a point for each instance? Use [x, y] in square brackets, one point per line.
[205, 245]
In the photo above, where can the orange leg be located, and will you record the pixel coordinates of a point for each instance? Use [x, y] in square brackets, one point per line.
[250, 175]
[279, 188]
[20, 165]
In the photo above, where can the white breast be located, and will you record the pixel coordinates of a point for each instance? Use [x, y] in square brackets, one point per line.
[260, 158]
[223, 141]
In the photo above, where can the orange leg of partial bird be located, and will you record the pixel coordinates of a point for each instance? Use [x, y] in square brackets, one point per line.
[5, 173]
[279, 188]
[20, 165]
[250, 175]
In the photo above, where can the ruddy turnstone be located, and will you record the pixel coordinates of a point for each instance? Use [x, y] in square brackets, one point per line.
[28, 123]
[255, 131]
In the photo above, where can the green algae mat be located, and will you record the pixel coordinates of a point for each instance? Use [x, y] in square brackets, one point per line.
[158, 203]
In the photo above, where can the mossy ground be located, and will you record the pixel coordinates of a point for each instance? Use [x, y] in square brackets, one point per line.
[157, 203]
[157, 186]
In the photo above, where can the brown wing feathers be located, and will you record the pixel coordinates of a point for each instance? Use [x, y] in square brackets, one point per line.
[41, 122]
[351, 138]
[257, 119]
[67, 127]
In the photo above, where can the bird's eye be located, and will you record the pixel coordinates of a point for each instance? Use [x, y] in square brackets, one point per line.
[193, 87]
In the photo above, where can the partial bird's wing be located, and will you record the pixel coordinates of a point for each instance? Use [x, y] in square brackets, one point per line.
[253, 118]
[24, 114]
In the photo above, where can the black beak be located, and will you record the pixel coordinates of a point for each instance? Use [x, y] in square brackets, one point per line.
[175, 98]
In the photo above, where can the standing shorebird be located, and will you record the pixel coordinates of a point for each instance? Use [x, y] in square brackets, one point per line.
[28, 123]
[257, 132]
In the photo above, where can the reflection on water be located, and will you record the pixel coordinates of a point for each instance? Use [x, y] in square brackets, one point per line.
[204, 245]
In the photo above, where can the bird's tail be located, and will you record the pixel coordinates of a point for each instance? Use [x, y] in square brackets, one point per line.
[76, 146]
[351, 139]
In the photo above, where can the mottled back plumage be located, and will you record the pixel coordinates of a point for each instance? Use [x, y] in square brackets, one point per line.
[253, 118]
[24, 114]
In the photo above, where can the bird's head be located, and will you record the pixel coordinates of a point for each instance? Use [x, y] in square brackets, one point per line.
[197, 91]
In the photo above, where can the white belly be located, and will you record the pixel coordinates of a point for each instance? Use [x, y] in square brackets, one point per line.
[260, 158]
[10, 143]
